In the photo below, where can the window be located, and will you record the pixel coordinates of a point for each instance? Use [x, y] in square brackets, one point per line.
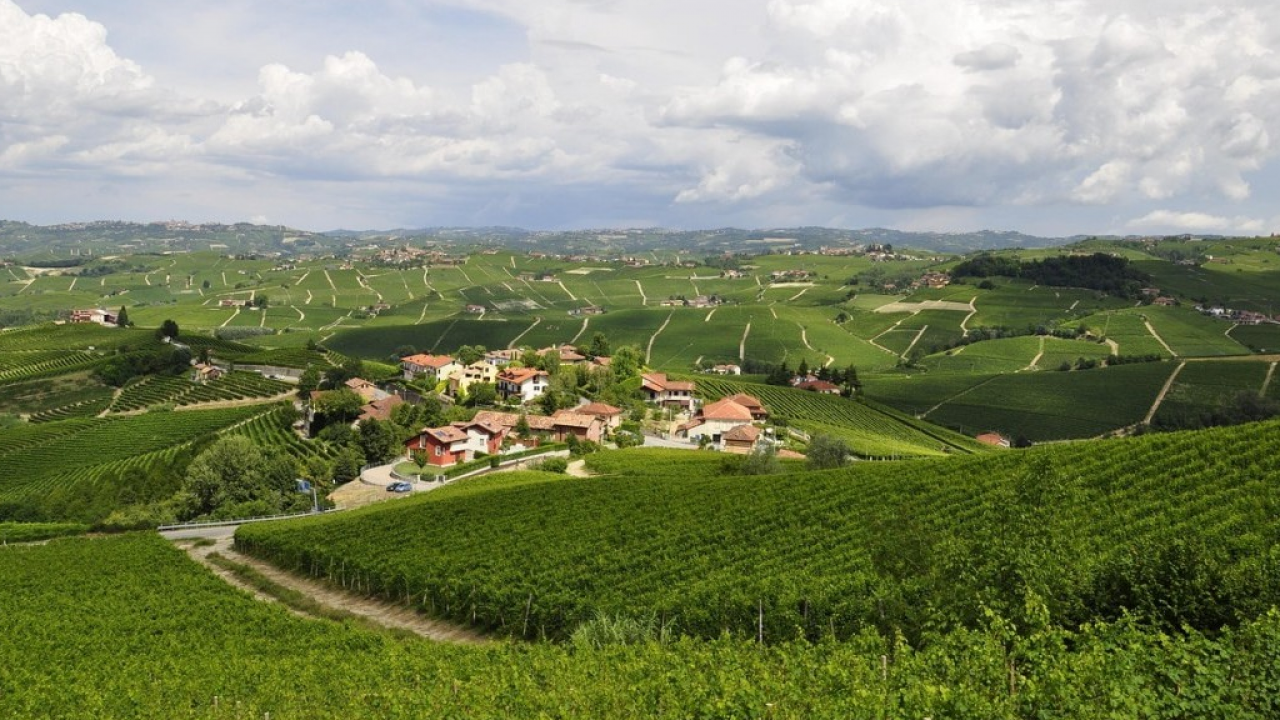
[438, 451]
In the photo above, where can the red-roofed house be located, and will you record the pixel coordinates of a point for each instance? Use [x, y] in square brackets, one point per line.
[822, 387]
[659, 389]
[741, 439]
[608, 414]
[483, 436]
[716, 419]
[524, 383]
[444, 446]
[751, 403]
[432, 367]
[584, 427]
[380, 409]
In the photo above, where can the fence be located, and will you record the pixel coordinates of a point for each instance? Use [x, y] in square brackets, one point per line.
[239, 521]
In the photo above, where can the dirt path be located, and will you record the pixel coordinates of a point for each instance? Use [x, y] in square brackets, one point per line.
[389, 615]
[1266, 384]
[957, 396]
[242, 402]
[1163, 391]
[566, 292]
[1035, 361]
[329, 277]
[742, 346]
[973, 310]
[578, 468]
[798, 295]
[648, 353]
[585, 322]
[1159, 339]
[644, 299]
[423, 316]
[233, 317]
[710, 314]
[914, 340]
[1115, 346]
[516, 341]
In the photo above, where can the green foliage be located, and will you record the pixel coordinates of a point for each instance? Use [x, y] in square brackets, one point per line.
[234, 478]
[1099, 271]
[762, 460]
[554, 465]
[826, 452]
[898, 547]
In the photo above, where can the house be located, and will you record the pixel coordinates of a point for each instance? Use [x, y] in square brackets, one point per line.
[365, 389]
[579, 425]
[431, 367]
[523, 383]
[483, 436]
[498, 358]
[475, 309]
[668, 393]
[993, 439]
[741, 439]
[752, 403]
[588, 310]
[509, 421]
[1164, 301]
[97, 315]
[726, 369]
[608, 414]
[379, 409]
[716, 419]
[204, 372]
[600, 362]
[822, 387]
[477, 372]
[444, 446]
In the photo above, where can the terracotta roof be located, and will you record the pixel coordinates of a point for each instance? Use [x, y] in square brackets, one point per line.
[746, 401]
[599, 409]
[742, 433]
[726, 410]
[818, 386]
[380, 409]
[995, 439]
[446, 434]
[520, 376]
[654, 381]
[602, 360]
[510, 420]
[431, 361]
[489, 426]
[568, 418]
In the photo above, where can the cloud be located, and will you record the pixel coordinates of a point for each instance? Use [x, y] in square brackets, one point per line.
[1167, 220]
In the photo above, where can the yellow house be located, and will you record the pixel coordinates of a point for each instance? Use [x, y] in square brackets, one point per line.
[477, 372]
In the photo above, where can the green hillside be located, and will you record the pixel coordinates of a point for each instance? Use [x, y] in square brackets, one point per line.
[1063, 535]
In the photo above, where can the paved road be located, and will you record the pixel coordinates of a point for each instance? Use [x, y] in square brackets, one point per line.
[655, 442]
[214, 533]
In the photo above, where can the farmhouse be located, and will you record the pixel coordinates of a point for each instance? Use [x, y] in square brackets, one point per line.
[431, 367]
[750, 402]
[365, 389]
[668, 393]
[588, 310]
[204, 372]
[97, 315]
[741, 439]
[822, 387]
[475, 309]
[523, 383]
[498, 358]
[509, 421]
[726, 369]
[715, 420]
[482, 437]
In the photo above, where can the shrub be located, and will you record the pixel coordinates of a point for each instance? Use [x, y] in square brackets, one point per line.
[553, 465]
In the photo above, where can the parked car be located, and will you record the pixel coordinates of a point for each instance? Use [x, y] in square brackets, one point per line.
[400, 486]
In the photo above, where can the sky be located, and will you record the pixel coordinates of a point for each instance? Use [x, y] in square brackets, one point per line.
[1052, 117]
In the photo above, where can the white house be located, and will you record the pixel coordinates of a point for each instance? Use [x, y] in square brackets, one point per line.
[524, 383]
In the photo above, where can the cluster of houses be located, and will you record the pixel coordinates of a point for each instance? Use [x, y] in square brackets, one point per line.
[733, 424]
[1242, 317]
[699, 301]
[489, 432]
[518, 384]
[933, 280]
[1153, 294]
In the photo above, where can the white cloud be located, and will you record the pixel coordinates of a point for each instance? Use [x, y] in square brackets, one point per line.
[1167, 220]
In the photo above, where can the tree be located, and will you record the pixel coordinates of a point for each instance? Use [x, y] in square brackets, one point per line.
[377, 441]
[522, 426]
[260, 302]
[309, 382]
[625, 362]
[338, 405]
[419, 458]
[763, 460]
[470, 354]
[346, 467]
[168, 329]
[122, 319]
[826, 452]
[334, 377]
[481, 394]
[234, 473]
[599, 345]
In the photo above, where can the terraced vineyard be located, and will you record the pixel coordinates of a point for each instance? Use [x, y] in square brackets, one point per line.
[38, 459]
[869, 431]
[903, 546]
[181, 390]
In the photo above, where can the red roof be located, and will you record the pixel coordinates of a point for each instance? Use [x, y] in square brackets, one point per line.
[380, 409]
[600, 409]
[447, 434]
[431, 361]
[994, 439]
[743, 433]
[520, 376]
[818, 386]
[726, 410]
[568, 418]
[746, 401]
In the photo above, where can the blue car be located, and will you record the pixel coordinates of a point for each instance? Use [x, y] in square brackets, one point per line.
[399, 486]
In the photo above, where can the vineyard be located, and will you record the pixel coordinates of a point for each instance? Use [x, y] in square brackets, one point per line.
[869, 431]
[217, 653]
[46, 462]
[180, 390]
[894, 547]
